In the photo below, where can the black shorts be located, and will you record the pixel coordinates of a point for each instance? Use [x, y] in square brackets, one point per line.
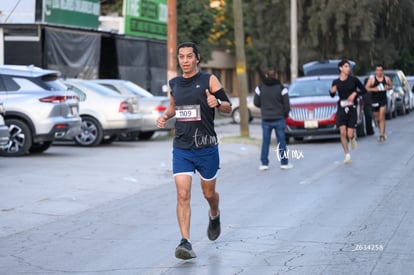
[346, 116]
[378, 100]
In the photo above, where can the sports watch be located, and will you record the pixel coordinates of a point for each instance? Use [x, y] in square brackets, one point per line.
[218, 102]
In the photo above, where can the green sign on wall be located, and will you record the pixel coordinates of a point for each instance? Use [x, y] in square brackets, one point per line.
[146, 18]
[82, 13]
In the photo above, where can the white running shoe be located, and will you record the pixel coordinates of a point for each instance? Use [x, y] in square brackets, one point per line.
[264, 167]
[347, 159]
[286, 166]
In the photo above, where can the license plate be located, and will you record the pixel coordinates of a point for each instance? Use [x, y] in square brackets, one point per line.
[311, 124]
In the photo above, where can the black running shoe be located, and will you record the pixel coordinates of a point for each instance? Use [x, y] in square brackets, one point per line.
[184, 250]
[214, 228]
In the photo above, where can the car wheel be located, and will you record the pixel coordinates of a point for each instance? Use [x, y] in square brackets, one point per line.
[146, 135]
[408, 108]
[40, 147]
[91, 132]
[20, 139]
[235, 115]
[388, 115]
[388, 110]
[360, 130]
[109, 140]
[394, 112]
[402, 110]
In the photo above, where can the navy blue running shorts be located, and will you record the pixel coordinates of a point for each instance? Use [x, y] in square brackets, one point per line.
[204, 160]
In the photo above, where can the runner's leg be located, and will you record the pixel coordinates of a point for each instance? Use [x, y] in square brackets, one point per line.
[183, 186]
[381, 120]
[344, 140]
[210, 194]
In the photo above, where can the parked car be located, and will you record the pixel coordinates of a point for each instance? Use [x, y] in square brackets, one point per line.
[151, 107]
[4, 130]
[39, 109]
[410, 79]
[400, 90]
[323, 67]
[313, 110]
[105, 114]
[253, 111]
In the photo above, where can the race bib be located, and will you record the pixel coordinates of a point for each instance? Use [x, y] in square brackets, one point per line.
[346, 103]
[188, 113]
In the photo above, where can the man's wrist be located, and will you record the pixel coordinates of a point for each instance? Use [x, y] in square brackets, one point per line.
[218, 103]
[167, 116]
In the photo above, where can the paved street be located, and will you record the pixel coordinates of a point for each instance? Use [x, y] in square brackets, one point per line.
[111, 209]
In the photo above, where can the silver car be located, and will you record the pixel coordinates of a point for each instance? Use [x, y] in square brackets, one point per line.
[39, 109]
[151, 107]
[253, 111]
[4, 130]
[105, 114]
[402, 91]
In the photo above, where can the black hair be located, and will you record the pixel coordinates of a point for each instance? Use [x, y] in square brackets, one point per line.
[343, 62]
[189, 45]
[380, 65]
[271, 72]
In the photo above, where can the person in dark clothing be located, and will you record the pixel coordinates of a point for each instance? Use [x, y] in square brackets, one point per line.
[273, 100]
[347, 87]
[194, 96]
[368, 111]
[377, 85]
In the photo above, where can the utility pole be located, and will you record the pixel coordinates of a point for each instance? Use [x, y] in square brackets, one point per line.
[172, 39]
[293, 40]
[241, 67]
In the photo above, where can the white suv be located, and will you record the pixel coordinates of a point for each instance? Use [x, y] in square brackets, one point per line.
[38, 108]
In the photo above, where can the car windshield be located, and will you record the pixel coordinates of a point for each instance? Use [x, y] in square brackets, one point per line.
[395, 79]
[314, 87]
[141, 92]
[323, 71]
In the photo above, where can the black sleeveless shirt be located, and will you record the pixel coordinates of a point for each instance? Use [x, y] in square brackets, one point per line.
[377, 82]
[379, 94]
[194, 126]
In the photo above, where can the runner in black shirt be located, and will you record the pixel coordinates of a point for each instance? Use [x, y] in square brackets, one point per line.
[378, 85]
[193, 99]
[347, 87]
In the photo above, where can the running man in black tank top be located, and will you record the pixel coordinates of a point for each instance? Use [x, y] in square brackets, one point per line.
[193, 99]
[378, 85]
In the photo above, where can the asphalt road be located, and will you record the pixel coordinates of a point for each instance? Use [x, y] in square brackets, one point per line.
[111, 209]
